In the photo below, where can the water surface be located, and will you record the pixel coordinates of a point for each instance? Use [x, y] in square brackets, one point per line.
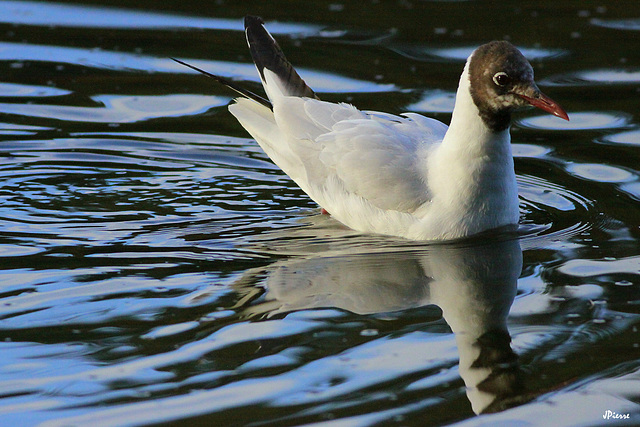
[156, 267]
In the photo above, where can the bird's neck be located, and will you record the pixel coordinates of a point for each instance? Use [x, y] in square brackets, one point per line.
[469, 131]
[471, 175]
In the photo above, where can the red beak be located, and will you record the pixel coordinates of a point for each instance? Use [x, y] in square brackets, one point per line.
[547, 104]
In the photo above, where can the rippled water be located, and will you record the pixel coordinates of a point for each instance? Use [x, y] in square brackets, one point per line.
[156, 267]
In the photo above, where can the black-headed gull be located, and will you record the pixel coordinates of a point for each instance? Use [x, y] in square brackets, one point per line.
[408, 175]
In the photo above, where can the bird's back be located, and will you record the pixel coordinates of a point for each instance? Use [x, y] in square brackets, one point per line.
[359, 166]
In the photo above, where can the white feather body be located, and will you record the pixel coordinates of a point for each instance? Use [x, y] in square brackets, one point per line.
[407, 176]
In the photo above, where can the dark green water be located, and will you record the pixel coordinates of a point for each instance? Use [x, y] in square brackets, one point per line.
[157, 268]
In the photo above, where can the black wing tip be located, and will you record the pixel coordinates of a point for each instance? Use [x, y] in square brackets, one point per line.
[266, 54]
[180, 62]
[252, 20]
[230, 84]
[263, 47]
[257, 33]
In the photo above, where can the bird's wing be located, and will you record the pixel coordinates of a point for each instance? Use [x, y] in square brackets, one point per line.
[376, 156]
[372, 158]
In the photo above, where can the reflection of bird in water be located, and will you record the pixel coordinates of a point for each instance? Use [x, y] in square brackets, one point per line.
[408, 175]
[474, 285]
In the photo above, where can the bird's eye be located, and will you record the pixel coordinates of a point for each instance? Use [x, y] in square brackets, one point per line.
[501, 78]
